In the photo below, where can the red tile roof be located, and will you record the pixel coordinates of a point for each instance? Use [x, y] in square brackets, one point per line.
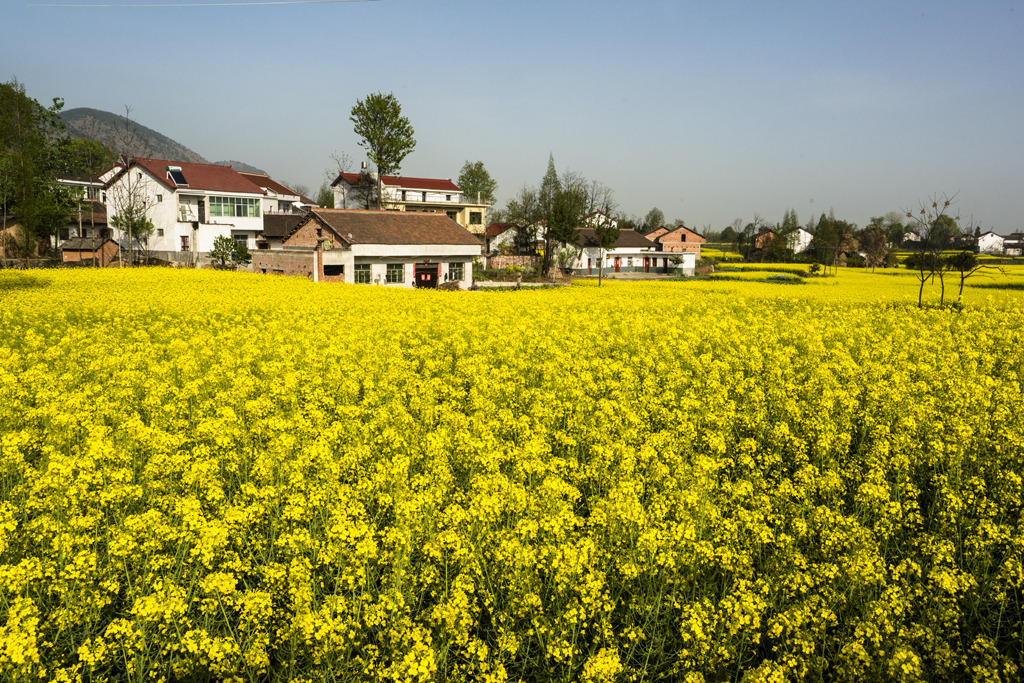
[198, 176]
[405, 182]
[495, 229]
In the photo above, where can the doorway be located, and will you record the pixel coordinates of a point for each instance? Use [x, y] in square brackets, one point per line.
[427, 274]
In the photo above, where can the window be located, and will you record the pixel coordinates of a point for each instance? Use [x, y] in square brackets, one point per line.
[334, 271]
[475, 218]
[454, 215]
[424, 196]
[403, 195]
[85, 232]
[184, 242]
[456, 271]
[361, 274]
[159, 198]
[395, 273]
[241, 238]
[237, 207]
[447, 197]
[159, 232]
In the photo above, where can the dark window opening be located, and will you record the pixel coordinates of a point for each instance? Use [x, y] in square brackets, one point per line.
[334, 271]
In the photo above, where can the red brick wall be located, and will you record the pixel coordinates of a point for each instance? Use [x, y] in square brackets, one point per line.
[681, 247]
[303, 237]
[284, 262]
[306, 236]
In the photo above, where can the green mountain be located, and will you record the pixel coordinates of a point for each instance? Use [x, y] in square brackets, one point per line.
[110, 129]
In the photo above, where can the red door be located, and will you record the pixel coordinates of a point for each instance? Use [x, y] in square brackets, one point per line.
[618, 263]
[426, 274]
[647, 264]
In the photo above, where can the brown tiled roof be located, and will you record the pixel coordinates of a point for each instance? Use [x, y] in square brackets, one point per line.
[84, 243]
[406, 182]
[393, 227]
[198, 176]
[281, 224]
[90, 207]
[266, 182]
[495, 229]
[627, 238]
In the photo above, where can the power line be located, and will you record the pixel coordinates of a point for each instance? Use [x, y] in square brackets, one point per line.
[204, 4]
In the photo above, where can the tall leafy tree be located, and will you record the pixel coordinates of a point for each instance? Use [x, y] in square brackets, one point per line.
[569, 208]
[523, 213]
[833, 238]
[384, 132]
[873, 241]
[475, 182]
[654, 219]
[85, 157]
[31, 146]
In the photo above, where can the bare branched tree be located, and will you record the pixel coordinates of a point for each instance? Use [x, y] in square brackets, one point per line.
[129, 198]
[936, 232]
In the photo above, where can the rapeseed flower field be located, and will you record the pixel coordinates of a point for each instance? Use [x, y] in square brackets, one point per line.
[211, 476]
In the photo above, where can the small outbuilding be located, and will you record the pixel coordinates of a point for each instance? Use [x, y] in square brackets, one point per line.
[79, 249]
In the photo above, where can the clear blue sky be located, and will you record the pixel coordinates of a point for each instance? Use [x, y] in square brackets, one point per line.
[710, 111]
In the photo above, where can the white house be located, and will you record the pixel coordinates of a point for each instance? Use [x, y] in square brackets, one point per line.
[389, 248]
[1014, 244]
[429, 195]
[800, 240]
[632, 252]
[189, 204]
[990, 243]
